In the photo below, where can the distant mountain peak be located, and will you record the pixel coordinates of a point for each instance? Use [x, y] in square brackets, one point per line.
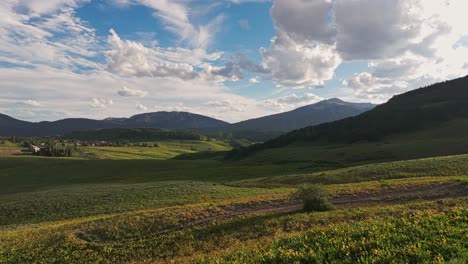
[334, 100]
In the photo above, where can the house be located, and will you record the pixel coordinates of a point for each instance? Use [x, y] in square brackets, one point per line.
[34, 149]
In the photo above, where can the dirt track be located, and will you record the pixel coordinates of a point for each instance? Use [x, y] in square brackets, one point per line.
[387, 196]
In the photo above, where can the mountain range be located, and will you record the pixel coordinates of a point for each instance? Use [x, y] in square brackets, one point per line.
[309, 115]
[436, 112]
[321, 112]
[165, 120]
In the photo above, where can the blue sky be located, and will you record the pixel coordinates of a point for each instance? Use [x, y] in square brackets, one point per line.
[229, 59]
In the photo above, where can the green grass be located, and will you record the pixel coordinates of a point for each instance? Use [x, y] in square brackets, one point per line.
[129, 209]
[429, 236]
[361, 153]
[438, 166]
[166, 150]
[370, 233]
[21, 174]
[75, 201]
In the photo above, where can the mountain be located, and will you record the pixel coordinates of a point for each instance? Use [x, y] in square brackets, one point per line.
[9, 124]
[173, 120]
[436, 112]
[259, 129]
[163, 120]
[133, 135]
[321, 112]
[268, 127]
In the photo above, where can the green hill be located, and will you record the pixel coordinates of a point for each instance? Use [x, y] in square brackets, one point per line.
[423, 117]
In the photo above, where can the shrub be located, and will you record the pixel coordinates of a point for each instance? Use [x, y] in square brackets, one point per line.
[315, 198]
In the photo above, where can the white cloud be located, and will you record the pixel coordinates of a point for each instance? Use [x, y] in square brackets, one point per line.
[57, 39]
[37, 8]
[291, 101]
[70, 92]
[141, 107]
[407, 43]
[302, 54]
[127, 92]
[130, 58]
[227, 105]
[299, 64]
[175, 16]
[101, 103]
[371, 88]
[254, 80]
[31, 103]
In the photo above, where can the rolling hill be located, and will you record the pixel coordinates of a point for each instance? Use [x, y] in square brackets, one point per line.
[163, 120]
[425, 111]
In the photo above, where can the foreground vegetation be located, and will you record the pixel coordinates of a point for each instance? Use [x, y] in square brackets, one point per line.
[139, 205]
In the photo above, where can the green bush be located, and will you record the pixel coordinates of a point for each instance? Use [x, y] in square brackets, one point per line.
[315, 198]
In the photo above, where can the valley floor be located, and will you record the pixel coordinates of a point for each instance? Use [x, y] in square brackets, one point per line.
[68, 210]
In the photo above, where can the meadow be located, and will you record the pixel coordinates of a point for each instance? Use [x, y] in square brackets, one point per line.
[122, 207]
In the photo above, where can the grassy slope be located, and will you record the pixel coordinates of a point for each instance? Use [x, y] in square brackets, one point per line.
[136, 236]
[448, 139]
[120, 206]
[74, 201]
[421, 123]
[438, 166]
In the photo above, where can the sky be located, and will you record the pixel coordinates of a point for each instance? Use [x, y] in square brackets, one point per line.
[228, 59]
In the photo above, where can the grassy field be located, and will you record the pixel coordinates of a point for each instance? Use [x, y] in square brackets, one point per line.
[123, 207]
[165, 150]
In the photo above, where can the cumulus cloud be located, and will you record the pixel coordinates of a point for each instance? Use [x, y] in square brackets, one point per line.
[127, 92]
[423, 52]
[301, 54]
[141, 107]
[369, 87]
[304, 21]
[101, 103]
[299, 64]
[254, 80]
[405, 40]
[130, 58]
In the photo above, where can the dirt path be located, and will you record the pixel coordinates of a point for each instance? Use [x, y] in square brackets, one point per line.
[400, 195]
[387, 196]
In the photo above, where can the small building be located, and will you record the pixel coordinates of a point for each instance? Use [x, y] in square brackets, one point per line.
[34, 149]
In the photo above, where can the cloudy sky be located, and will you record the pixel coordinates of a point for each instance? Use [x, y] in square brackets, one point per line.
[230, 59]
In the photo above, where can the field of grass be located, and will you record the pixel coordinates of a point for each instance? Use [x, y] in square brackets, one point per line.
[165, 150]
[438, 166]
[144, 208]
[420, 231]
[433, 235]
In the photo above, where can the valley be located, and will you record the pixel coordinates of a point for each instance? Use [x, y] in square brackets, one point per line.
[146, 195]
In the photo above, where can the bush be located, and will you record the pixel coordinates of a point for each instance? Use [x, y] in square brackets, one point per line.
[315, 198]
